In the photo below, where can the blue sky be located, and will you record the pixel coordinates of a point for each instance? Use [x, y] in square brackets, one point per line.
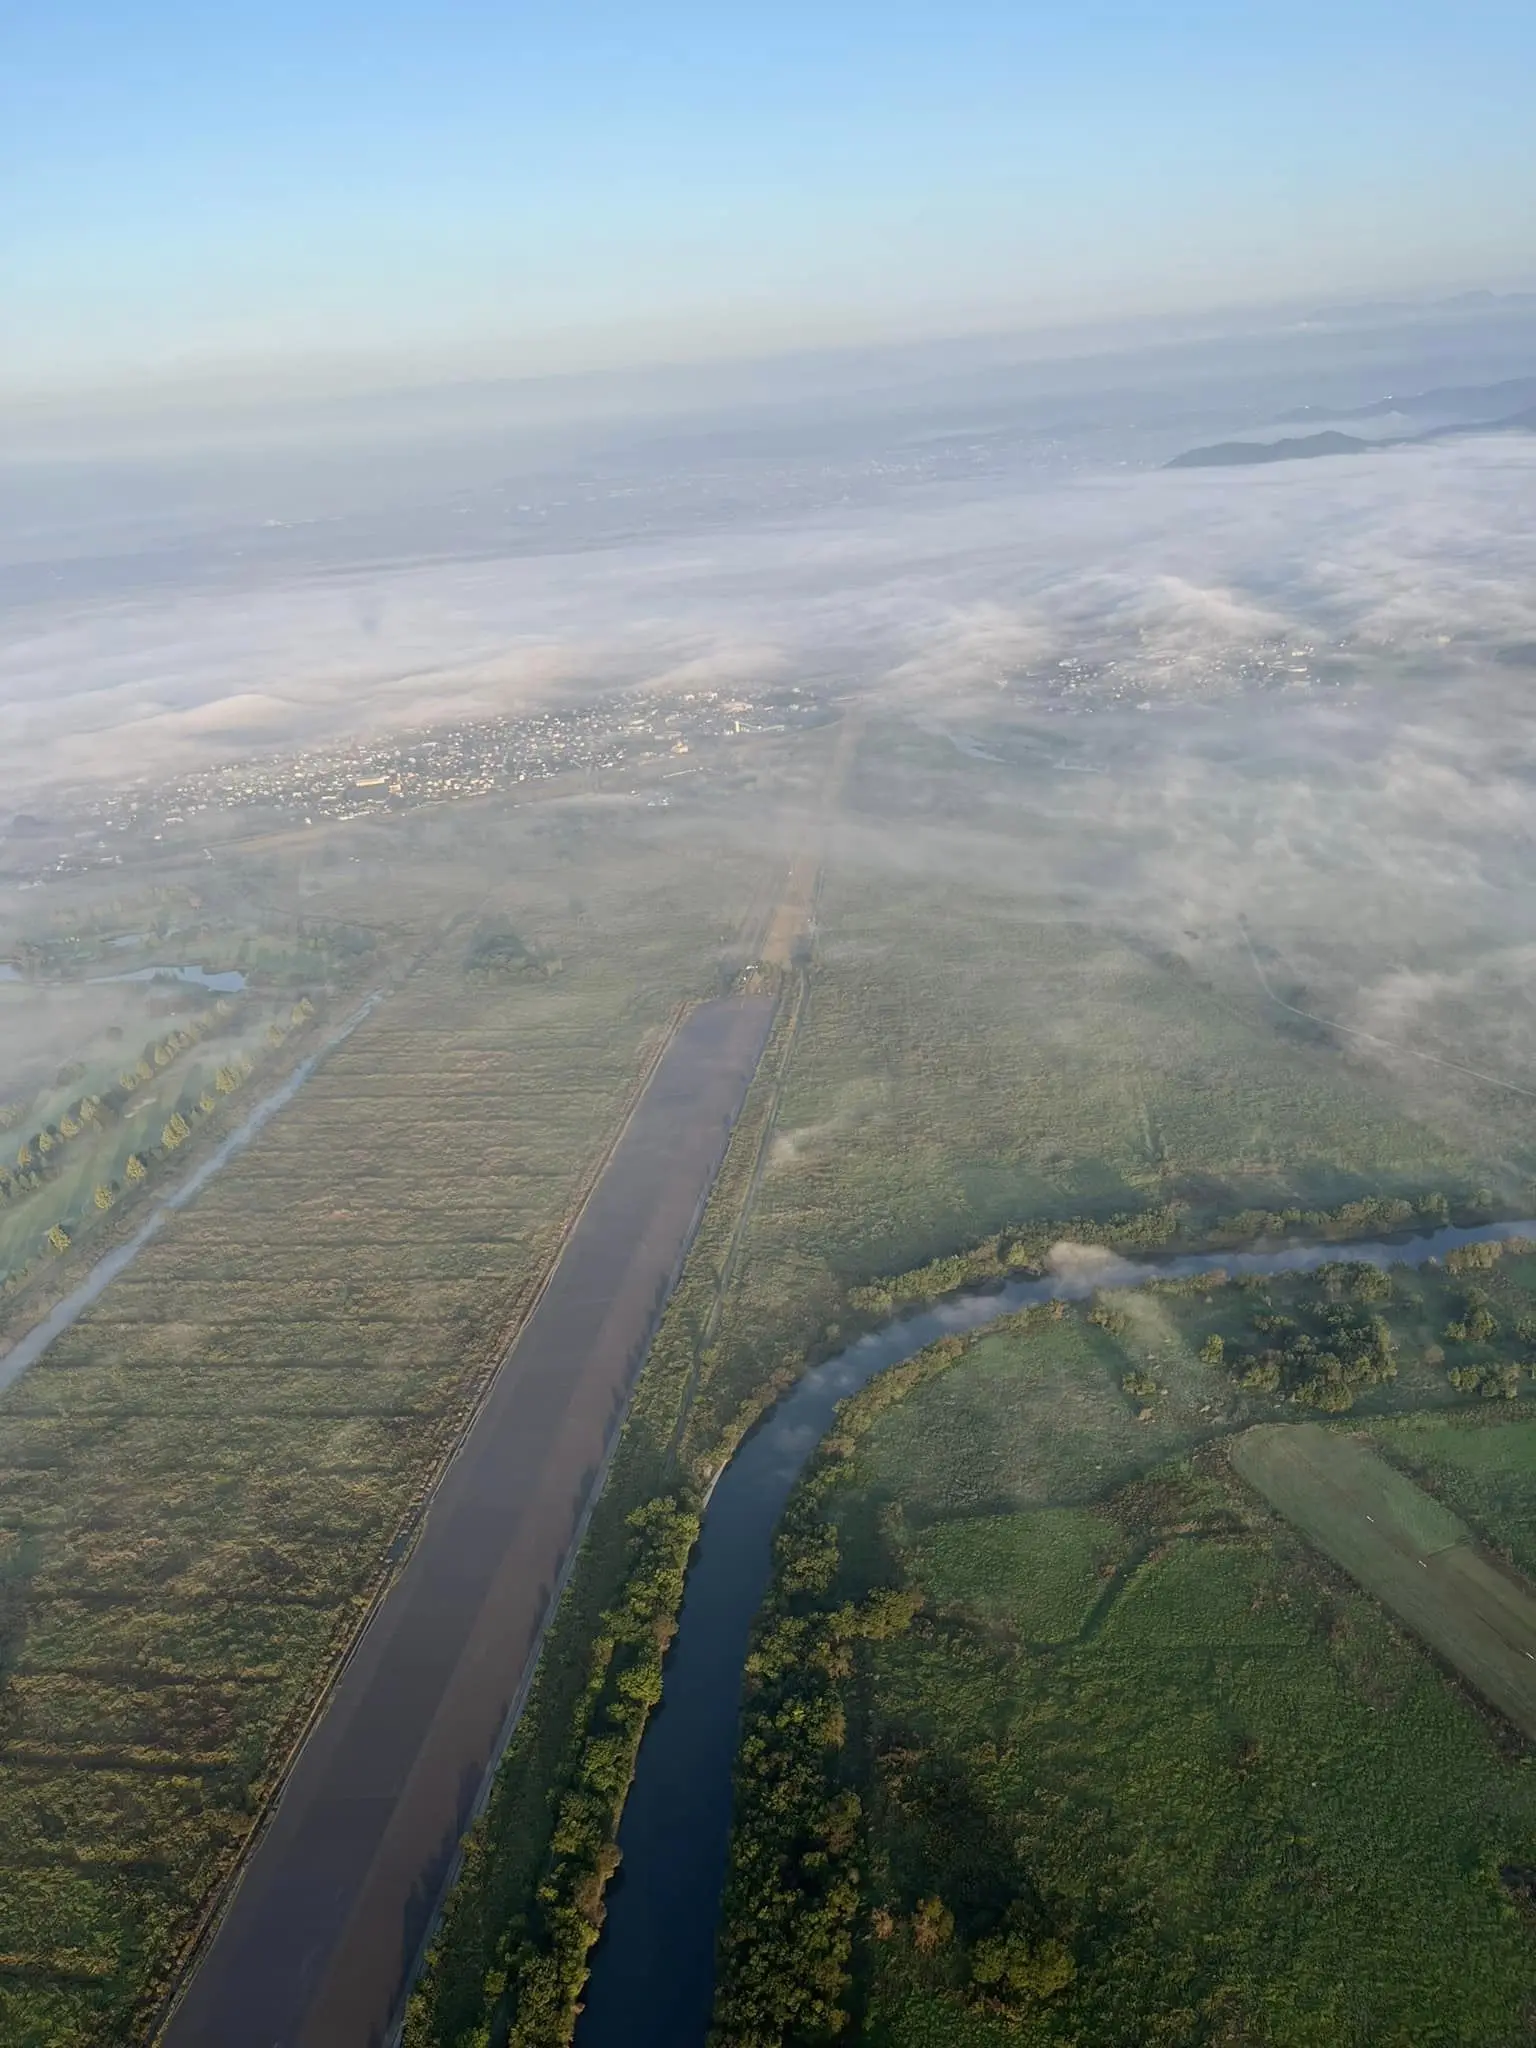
[460, 188]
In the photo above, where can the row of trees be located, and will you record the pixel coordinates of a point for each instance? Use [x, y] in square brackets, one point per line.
[161, 1052]
[793, 1902]
[510, 1849]
[174, 1133]
[528, 1996]
[1493, 1382]
[792, 1895]
[40, 1153]
[1388, 1214]
[1010, 1253]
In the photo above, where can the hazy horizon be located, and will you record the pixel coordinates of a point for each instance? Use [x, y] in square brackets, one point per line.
[947, 510]
[441, 196]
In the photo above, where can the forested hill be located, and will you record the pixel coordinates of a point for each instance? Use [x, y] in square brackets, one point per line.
[1229, 454]
[1298, 448]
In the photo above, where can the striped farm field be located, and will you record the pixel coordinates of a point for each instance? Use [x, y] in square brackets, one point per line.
[208, 1477]
[1406, 1549]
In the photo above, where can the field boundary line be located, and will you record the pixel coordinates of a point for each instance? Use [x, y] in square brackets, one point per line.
[1369, 1037]
[113, 1262]
[1322, 1484]
[401, 1544]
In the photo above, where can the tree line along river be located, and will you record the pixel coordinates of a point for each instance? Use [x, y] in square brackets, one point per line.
[652, 1981]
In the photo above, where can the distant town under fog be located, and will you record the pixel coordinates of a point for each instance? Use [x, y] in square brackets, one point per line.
[383, 774]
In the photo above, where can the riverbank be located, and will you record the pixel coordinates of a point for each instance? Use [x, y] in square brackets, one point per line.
[471, 1972]
[653, 1972]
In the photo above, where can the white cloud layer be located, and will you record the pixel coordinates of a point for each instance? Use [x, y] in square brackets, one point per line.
[938, 594]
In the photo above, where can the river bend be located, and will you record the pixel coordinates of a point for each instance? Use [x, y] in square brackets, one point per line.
[652, 1982]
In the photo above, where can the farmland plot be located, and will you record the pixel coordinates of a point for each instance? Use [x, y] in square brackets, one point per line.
[1408, 1550]
[206, 1479]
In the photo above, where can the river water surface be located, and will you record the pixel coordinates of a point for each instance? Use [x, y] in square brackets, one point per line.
[652, 1982]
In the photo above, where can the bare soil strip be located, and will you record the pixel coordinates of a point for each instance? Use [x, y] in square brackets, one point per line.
[788, 928]
[320, 1932]
[1402, 1546]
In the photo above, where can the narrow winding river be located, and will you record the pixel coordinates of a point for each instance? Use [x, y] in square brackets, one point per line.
[652, 1981]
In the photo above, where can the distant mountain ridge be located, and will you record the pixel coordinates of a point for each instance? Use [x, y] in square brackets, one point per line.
[1472, 401]
[1229, 454]
[1305, 447]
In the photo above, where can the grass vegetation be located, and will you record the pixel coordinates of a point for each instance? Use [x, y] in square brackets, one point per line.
[205, 1480]
[1482, 1464]
[1407, 1549]
[1141, 1766]
[970, 1064]
[870, 1166]
[114, 1074]
[83, 1155]
[540, 1975]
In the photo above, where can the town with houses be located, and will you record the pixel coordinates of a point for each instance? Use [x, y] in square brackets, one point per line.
[377, 775]
[602, 739]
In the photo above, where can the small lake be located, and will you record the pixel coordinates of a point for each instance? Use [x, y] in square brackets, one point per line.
[653, 1974]
[228, 983]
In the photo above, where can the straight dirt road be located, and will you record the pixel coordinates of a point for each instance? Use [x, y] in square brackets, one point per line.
[319, 1935]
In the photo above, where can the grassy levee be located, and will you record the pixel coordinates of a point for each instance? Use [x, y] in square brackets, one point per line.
[511, 1948]
[1050, 1739]
[209, 1476]
[1408, 1550]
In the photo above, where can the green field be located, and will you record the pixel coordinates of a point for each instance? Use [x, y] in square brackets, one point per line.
[109, 1088]
[993, 1038]
[204, 1479]
[1483, 1467]
[1408, 1550]
[88, 1150]
[1253, 1812]
[964, 1066]
[1140, 1746]
[961, 1065]
[1037, 1576]
[204, 1482]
